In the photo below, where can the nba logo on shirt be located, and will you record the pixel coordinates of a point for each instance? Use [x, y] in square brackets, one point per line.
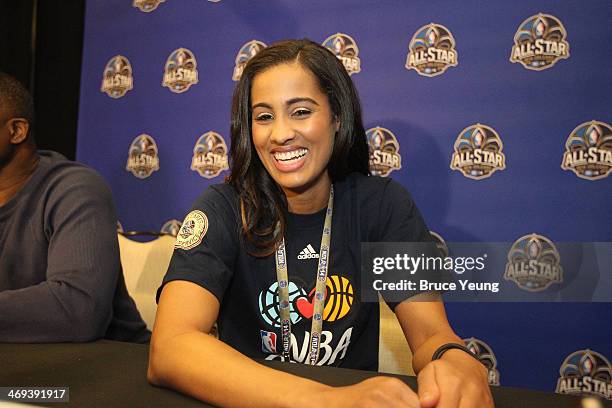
[268, 342]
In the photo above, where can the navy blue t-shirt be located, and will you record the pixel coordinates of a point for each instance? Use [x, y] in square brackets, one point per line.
[210, 252]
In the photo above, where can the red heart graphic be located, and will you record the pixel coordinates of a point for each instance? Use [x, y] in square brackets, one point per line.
[304, 307]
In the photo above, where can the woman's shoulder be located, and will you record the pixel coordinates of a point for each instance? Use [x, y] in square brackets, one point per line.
[363, 181]
[376, 187]
[377, 196]
[221, 198]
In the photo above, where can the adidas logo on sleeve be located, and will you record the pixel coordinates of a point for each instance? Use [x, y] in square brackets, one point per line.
[308, 252]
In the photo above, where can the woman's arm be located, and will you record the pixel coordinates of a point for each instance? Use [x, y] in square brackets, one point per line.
[184, 357]
[456, 379]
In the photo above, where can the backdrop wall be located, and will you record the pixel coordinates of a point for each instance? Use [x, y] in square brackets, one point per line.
[459, 75]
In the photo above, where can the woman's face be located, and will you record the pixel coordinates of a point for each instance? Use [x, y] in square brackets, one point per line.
[293, 126]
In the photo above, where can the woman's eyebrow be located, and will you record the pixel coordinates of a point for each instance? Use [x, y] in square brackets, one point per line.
[261, 105]
[301, 99]
[288, 103]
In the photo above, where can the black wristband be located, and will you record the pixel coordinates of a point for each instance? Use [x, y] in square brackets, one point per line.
[448, 346]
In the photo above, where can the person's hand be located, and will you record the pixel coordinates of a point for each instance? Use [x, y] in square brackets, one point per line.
[374, 392]
[457, 380]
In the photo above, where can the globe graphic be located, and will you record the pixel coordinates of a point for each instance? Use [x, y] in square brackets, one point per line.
[268, 304]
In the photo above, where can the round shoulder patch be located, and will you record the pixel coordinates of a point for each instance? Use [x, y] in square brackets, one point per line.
[192, 231]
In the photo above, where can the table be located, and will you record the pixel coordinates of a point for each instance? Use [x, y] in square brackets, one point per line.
[113, 374]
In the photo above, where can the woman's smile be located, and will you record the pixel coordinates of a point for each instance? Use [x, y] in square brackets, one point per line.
[290, 159]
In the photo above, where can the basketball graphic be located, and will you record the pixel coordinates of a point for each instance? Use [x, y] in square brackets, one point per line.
[339, 298]
[268, 304]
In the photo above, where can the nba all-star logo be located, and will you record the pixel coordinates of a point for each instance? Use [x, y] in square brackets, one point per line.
[431, 50]
[478, 152]
[534, 263]
[384, 151]
[540, 42]
[588, 151]
[193, 230]
[181, 71]
[143, 157]
[209, 155]
[247, 51]
[486, 356]
[147, 5]
[345, 48]
[585, 372]
[117, 78]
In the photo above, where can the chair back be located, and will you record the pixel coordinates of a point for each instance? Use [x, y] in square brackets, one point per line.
[394, 355]
[144, 266]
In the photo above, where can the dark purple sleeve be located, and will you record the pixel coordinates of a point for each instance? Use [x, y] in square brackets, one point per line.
[401, 220]
[211, 263]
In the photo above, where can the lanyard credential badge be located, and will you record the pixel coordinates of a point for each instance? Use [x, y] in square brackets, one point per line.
[319, 296]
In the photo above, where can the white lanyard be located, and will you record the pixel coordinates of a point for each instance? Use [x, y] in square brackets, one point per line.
[319, 296]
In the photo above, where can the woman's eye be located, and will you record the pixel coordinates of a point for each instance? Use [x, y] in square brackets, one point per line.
[263, 117]
[301, 112]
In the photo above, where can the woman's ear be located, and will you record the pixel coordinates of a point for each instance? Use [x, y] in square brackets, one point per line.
[337, 122]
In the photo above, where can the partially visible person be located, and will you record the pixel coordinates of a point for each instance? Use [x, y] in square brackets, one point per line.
[60, 273]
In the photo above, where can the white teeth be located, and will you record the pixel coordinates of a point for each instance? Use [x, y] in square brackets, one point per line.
[292, 155]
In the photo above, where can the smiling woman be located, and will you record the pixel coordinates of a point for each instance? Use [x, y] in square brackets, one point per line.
[295, 95]
[248, 257]
[293, 133]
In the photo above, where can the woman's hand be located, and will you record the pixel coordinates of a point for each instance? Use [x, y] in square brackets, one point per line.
[457, 380]
[374, 392]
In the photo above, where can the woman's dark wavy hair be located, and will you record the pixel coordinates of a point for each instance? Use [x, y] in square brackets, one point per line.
[263, 205]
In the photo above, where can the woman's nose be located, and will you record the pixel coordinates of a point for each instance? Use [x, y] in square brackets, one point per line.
[282, 131]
